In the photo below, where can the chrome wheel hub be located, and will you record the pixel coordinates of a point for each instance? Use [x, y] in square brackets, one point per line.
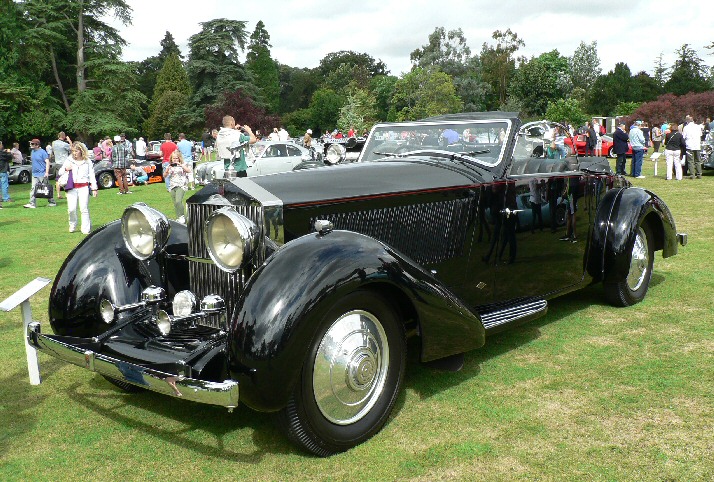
[350, 367]
[639, 261]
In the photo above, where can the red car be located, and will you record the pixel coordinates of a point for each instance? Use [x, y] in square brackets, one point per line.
[607, 145]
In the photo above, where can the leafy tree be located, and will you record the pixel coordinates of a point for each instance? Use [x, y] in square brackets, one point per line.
[448, 52]
[660, 72]
[625, 109]
[148, 69]
[82, 50]
[325, 108]
[296, 87]
[346, 75]
[298, 121]
[585, 65]
[333, 60]
[214, 65]
[499, 63]
[382, 88]
[539, 81]
[172, 84]
[611, 89]
[688, 73]
[263, 67]
[672, 108]
[646, 87]
[566, 111]
[359, 111]
[422, 93]
[245, 111]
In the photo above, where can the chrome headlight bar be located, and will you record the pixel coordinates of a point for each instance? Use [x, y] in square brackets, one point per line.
[210, 305]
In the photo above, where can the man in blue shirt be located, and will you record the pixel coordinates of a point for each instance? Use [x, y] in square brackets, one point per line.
[637, 141]
[40, 172]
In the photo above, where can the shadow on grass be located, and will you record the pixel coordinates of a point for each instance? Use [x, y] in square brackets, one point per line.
[427, 382]
[18, 402]
[198, 418]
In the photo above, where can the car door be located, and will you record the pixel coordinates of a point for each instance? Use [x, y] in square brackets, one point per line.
[274, 159]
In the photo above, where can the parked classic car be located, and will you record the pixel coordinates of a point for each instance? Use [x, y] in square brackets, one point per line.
[295, 292]
[104, 173]
[265, 157]
[22, 173]
[607, 145]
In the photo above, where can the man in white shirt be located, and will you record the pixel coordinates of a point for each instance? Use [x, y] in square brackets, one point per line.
[283, 135]
[692, 133]
[141, 149]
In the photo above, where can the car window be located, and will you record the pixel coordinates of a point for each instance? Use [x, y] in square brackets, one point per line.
[293, 151]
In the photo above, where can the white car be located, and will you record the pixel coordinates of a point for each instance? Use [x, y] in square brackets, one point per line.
[263, 157]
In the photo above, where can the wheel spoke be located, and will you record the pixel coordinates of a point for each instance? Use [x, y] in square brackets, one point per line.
[639, 261]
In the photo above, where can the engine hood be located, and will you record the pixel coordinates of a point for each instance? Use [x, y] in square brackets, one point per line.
[356, 180]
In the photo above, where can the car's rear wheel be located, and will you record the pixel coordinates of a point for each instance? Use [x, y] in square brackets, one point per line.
[350, 378]
[23, 177]
[106, 180]
[633, 288]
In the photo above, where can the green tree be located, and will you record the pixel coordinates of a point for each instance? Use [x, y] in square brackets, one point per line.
[448, 52]
[325, 108]
[566, 111]
[499, 64]
[171, 96]
[359, 111]
[76, 50]
[296, 87]
[263, 67]
[422, 93]
[148, 69]
[585, 65]
[382, 88]
[610, 89]
[660, 71]
[214, 65]
[688, 73]
[539, 81]
[333, 60]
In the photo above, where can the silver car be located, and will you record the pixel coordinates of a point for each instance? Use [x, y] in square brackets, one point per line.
[263, 157]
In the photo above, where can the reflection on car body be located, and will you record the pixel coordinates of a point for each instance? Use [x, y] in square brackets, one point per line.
[295, 292]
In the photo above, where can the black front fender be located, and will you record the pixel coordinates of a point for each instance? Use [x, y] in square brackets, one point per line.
[618, 217]
[102, 267]
[275, 321]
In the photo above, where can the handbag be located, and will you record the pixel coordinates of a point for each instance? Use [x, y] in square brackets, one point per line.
[66, 180]
[43, 190]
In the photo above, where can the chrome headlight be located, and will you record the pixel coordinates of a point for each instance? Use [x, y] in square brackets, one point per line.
[145, 230]
[231, 238]
[335, 153]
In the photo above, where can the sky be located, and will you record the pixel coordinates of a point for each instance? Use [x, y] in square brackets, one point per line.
[302, 33]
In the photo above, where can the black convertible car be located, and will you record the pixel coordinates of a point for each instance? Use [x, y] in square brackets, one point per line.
[295, 292]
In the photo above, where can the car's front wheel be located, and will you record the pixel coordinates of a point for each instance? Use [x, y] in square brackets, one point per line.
[351, 377]
[633, 288]
[23, 177]
[106, 180]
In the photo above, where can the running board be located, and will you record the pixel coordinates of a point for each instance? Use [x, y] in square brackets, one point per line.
[498, 317]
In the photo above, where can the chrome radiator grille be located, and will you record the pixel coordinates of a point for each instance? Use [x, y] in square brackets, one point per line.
[205, 277]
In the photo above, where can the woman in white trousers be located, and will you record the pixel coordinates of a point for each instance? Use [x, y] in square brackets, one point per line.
[84, 182]
[673, 152]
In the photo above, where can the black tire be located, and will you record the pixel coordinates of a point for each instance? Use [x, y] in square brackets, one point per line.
[125, 386]
[105, 180]
[23, 177]
[358, 390]
[633, 288]
[560, 212]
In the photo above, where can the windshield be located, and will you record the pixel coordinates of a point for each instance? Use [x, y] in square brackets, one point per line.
[482, 141]
[258, 149]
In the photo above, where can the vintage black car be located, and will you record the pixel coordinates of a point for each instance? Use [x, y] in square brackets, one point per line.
[295, 292]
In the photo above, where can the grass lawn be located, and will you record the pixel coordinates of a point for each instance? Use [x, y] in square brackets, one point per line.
[588, 392]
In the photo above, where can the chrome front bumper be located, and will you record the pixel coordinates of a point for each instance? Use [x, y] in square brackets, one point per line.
[224, 394]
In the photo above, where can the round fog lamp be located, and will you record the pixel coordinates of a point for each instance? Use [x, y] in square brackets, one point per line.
[184, 303]
[163, 322]
[106, 310]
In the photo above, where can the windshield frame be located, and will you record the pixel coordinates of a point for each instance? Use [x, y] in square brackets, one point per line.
[372, 144]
